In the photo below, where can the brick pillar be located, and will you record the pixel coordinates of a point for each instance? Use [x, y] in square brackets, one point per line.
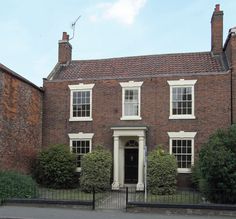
[64, 49]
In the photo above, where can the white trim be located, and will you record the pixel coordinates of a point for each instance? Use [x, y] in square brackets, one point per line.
[129, 127]
[187, 84]
[78, 88]
[120, 135]
[182, 82]
[81, 86]
[185, 136]
[184, 170]
[131, 118]
[81, 137]
[182, 134]
[131, 84]
[182, 117]
[80, 119]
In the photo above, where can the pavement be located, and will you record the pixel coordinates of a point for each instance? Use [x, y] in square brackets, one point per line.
[19, 212]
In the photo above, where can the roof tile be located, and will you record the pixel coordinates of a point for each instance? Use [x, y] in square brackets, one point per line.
[137, 66]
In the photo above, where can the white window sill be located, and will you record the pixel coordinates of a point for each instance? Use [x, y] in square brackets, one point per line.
[182, 117]
[184, 170]
[131, 118]
[80, 119]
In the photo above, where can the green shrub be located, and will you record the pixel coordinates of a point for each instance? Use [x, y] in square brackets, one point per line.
[16, 185]
[161, 172]
[217, 165]
[55, 167]
[96, 170]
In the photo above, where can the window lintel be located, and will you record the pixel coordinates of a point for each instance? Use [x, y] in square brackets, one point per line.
[182, 82]
[81, 86]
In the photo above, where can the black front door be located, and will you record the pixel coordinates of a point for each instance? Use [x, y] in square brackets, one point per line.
[131, 165]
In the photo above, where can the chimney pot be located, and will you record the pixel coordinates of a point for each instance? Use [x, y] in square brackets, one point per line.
[65, 36]
[217, 8]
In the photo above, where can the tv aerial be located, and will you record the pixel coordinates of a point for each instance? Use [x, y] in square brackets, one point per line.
[73, 27]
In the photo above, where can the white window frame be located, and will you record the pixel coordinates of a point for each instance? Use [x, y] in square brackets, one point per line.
[131, 85]
[78, 88]
[81, 137]
[186, 84]
[183, 136]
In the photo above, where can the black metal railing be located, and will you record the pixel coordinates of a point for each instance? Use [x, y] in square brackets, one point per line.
[111, 199]
[41, 195]
[115, 199]
[181, 196]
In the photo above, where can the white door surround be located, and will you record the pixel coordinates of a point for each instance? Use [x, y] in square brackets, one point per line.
[120, 137]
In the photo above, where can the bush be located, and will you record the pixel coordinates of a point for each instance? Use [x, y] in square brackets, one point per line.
[161, 172]
[55, 167]
[217, 165]
[16, 185]
[96, 170]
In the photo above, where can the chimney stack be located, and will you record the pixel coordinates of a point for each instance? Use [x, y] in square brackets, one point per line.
[217, 31]
[64, 49]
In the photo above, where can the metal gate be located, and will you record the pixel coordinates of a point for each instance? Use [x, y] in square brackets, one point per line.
[111, 199]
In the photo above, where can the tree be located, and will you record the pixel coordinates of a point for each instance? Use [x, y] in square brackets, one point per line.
[217, 167]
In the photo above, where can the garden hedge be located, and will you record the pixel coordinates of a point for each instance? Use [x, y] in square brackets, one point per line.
[161, 172]
[16, 185]
[55, 167]
[96, 170]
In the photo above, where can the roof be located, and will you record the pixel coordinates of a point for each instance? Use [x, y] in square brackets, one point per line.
[139, 66]
[14, 74]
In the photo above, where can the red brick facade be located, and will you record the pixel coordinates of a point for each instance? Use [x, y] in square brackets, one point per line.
[20, 122]
[212, 110]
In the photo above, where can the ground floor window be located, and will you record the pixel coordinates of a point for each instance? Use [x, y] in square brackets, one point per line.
[80, 144]
[182, 147]
[80, 147]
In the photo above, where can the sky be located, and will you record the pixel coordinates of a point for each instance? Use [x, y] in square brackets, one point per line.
[30, 30]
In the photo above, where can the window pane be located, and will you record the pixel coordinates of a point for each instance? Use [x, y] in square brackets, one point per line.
[174, 143]
[179, 150]
[181, 100]
[182, 149]
[81, 104]
[131, 102]
[174, 150]
[80, 148]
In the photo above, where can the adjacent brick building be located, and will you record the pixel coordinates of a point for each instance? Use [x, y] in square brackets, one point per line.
[20, 121]
[131, 104]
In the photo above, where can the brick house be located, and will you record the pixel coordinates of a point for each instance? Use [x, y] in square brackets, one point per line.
[129, 104]
[20, 121]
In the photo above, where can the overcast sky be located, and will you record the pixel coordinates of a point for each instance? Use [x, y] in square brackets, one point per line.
[30, 29]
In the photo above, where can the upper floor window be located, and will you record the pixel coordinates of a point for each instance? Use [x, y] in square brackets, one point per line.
[131, 100]
[182, 147]
[182, 99]
[80, 144]
[81, 102]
